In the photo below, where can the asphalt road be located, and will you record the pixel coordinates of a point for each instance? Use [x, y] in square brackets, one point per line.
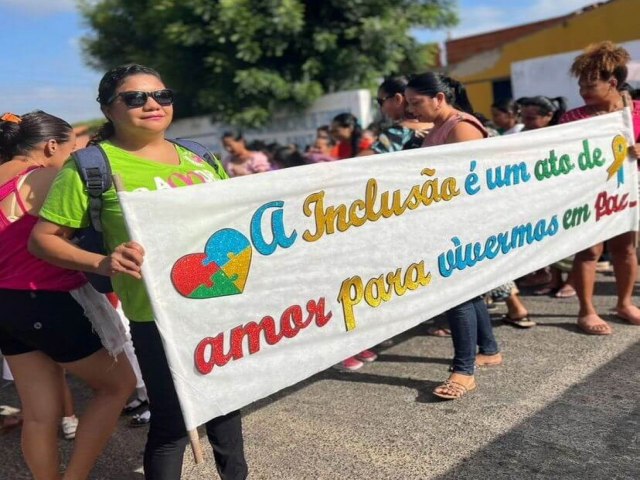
[563, 406]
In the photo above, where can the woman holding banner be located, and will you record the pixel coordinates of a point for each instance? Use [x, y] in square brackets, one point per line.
[433, 97]
[138, 108]
[44, 329]
[602, 72]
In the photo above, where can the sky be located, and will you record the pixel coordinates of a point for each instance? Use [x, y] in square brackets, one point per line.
[42, 67]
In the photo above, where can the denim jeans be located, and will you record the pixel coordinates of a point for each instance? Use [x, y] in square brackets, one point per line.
[470, 326]
[168, 436]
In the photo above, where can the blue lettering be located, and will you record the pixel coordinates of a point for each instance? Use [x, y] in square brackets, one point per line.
[280, 238]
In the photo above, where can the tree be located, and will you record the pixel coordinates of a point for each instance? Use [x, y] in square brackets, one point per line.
[240, 60]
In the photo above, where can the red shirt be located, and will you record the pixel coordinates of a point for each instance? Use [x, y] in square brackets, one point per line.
[345, 150]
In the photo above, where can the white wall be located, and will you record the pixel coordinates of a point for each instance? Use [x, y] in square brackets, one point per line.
[550, 76]
[284, 128]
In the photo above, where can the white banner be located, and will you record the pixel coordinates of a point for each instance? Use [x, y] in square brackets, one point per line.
[259, 282]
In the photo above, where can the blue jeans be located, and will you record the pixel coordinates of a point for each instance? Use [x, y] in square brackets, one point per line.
[470, 326]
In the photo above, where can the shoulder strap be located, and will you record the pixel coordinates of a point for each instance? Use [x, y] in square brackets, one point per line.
[95, 171]
[199, 150]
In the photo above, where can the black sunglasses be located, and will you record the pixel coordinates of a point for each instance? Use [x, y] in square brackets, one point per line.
[382, 100]
[136, 99]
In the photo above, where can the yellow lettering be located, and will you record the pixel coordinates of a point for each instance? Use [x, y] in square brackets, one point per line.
[354, 219]
[317, 201]
[350, 295]
[375, 292]
[341, 217]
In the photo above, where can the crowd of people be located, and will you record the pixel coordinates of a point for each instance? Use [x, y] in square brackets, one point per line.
[56, 323]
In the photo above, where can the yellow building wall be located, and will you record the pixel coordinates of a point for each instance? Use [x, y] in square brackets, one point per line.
[478, 91]
[618, 21]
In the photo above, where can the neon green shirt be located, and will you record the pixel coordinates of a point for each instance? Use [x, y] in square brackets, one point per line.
[67, 204]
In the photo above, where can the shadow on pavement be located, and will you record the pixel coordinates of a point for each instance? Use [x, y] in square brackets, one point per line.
[591, 431]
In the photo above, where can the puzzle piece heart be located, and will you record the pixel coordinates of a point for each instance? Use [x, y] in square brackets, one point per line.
[221, 270]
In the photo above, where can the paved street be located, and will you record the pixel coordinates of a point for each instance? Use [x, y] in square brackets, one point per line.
[564, 405]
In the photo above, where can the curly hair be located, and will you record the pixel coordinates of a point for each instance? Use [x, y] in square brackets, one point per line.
[601, 61]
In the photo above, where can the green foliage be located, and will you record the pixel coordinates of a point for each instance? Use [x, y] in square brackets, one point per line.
[240, 60]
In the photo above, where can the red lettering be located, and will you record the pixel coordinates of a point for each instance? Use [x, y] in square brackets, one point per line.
[317, 309]
[204, 362]
[289, 321]
[209, 352]
[252, 331]
[609, 204]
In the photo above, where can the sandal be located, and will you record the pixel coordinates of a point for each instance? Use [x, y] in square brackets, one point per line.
[141, 419]
[567, 291]
[520, 322]
[488, 360]
[10, 422]
[627, 317]
[135, 405]
[438, 332]
[592, 324]
[452, 390]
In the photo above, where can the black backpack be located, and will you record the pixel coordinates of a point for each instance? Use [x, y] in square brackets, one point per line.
[95, 171]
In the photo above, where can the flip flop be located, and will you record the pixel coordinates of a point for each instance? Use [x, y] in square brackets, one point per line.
[567, 291]
[520, 322]
[438, 332]
[9, 423]
[135, 405]
[489, 360]
[597, 326]
[141, 419]
[627, 318]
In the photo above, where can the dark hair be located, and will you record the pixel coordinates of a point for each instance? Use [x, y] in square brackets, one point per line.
[348, 120]
[107, 89]
[288, 156]
[507, 105]
[430, 84]
[23, 135]
[393, 85]
[235, 134]
[556, 106]
[634, 93]
[257, 146]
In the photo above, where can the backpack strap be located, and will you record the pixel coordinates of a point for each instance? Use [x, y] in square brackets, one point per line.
[199, 150]
[95, 171]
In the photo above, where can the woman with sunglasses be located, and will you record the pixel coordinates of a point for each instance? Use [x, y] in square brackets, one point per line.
[138, 108]
[43, 327]
[406, 132]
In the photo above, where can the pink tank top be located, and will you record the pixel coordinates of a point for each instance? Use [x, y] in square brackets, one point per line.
[439, 135]
[19, 270]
